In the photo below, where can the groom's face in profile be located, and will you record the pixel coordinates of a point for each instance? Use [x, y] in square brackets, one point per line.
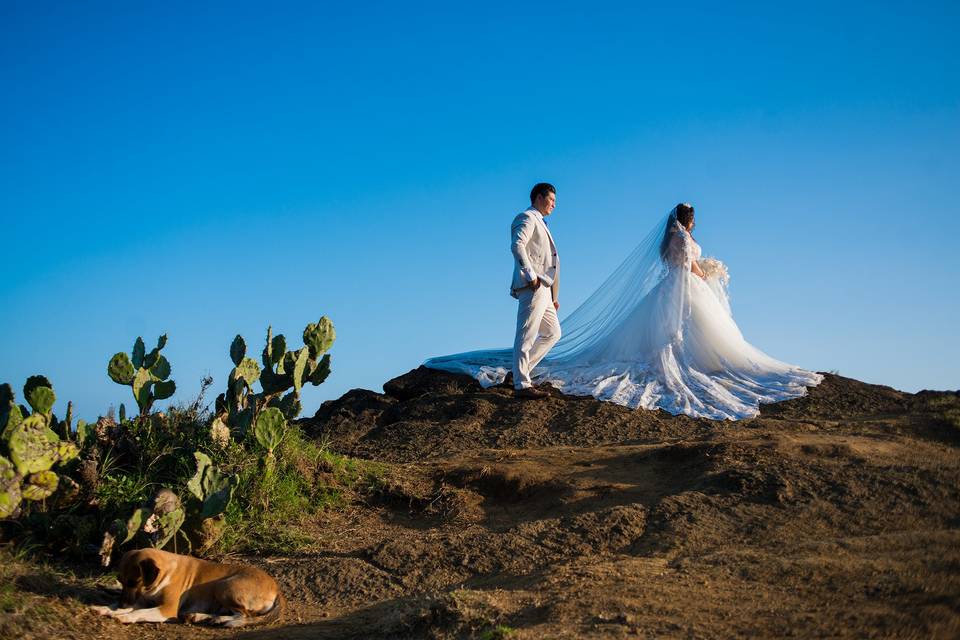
[545, 203]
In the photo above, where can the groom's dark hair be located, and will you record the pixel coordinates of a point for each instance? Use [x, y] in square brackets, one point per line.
[541, 189]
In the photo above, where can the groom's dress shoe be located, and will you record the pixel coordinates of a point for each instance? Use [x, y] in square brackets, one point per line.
[531, 393]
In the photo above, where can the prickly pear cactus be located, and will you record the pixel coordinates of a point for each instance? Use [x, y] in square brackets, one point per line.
[32, 445]
[145, 373]
[284, 372]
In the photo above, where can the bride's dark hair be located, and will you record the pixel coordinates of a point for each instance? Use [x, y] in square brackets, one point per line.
[682, 213]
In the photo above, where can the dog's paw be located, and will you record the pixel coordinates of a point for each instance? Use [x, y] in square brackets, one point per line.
[196, 618]
[101, 609]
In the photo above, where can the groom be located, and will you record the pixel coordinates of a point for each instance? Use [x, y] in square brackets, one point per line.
[536, 283]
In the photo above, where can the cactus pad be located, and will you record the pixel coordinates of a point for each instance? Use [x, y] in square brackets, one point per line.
[248, 370]
[41, 399]
[34, 382]
[218, 491]
[290, 406]
[120, 369]
[164, 389]
[168, 525]
[83, 431]
[6, 395]
[321, 371]
[319, 337]
[160, 369]
[278, 348]
[30, 446]
[141, 389]
[299, 367]
[40, 485]
[238, 349]
[269, 428]
[14, 418]
[135, 523]
[10, 494]
[6, 403]
[139, 349]
[195, 484]
[66, 451]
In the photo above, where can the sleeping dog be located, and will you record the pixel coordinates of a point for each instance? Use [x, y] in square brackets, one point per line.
[157, 586]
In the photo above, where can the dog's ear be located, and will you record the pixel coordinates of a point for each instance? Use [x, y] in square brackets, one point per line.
[149, 571]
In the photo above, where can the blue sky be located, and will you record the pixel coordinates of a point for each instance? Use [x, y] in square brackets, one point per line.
[207, 171]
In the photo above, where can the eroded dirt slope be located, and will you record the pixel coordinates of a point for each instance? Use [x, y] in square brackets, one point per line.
[834, 515]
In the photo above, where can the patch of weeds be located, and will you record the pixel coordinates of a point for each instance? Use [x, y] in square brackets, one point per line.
[499, 632]
[119, 491]
[269, 509]
[10, 600]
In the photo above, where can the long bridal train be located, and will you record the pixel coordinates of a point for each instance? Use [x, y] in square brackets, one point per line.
[655, 335]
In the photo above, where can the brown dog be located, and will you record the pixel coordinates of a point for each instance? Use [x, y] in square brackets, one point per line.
[158, 586]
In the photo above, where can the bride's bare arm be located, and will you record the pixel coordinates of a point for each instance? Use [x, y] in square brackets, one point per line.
[696, 269]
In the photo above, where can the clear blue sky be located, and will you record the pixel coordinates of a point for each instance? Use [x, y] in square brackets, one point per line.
[204, 169]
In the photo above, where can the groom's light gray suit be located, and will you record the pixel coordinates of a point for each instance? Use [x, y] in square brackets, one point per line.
[535, 258]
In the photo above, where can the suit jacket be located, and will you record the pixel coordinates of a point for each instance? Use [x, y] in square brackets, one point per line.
[534, 253]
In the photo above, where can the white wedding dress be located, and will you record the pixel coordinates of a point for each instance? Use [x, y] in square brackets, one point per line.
[655, 335]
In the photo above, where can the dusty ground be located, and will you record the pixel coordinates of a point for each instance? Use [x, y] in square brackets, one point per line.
[835, 515]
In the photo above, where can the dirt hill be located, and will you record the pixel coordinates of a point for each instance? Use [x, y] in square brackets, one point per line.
[834, 515]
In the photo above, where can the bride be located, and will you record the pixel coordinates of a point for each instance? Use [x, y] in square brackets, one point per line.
[658, 333]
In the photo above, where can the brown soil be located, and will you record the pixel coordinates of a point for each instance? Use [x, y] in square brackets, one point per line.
[834, 515]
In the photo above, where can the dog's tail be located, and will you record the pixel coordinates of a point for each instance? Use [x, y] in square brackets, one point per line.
[275, 613]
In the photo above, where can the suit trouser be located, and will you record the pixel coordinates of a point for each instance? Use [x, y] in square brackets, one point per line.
[538, 329]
